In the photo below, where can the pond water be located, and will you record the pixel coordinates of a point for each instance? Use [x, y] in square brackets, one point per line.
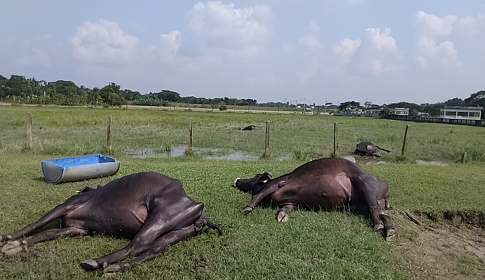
[204, 153]
[224, 154]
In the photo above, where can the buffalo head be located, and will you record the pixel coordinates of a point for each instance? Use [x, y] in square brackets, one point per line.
[253, 185]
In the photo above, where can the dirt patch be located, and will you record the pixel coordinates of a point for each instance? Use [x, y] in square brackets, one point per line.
[440, 246]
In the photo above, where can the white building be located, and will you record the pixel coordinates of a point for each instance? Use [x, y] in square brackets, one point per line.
[461, 113]
[401, 111]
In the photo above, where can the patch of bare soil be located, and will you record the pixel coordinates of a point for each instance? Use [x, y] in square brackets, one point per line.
[444, 246]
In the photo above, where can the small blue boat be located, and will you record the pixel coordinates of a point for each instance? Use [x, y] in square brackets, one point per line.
[79, 168]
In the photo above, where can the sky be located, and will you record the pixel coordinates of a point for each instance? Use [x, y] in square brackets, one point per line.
[296, 51]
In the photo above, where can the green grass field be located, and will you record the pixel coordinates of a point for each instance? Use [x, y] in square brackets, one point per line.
[78, 131]
[312, 245]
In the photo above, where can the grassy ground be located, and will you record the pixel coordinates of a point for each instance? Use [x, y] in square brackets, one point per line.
[312, 245]
[77, 131]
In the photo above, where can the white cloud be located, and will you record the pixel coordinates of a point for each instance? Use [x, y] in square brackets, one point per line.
[345, 49]
[222, 27]
[171, 42]
[310, 39]
[382, 41]
[378, 53]
[435, 34]
[103, 42]
[432, 25]
[377, 67]
[443, 53]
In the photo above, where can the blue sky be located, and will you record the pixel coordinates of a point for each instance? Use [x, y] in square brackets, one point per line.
[274, 50]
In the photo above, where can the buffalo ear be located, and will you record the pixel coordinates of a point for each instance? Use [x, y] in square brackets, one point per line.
[265, 177]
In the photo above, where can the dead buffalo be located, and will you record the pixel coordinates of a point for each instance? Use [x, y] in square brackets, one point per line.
[150, 209]
[323, 184]
[368, 149]
[249, 127]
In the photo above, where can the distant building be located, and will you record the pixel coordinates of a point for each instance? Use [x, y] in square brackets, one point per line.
[401, 111]
[352, 111]
[373, 111]
[459, 112]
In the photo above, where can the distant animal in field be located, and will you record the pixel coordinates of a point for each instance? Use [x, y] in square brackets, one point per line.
[150, 209]
[249, 127]
[368, 149]
[323, 184]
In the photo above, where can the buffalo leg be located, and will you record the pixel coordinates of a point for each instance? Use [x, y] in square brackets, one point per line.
[157, 224]
[160, 245]
[283, 212]
[388, 227]
[54, 214]
[369, 195]
[157, 249]
[16, 246]
[261, 195]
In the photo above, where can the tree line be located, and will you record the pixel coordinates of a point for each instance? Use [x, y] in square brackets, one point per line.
[19, 89]
[29, 90]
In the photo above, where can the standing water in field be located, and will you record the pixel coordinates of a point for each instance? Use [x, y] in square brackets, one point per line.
[204, 153]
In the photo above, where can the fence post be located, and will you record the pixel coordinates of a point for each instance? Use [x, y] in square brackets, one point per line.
[266, 141]
[335, 144]
[108, 138]
[404, 141]
[29, 130]
[191, 137]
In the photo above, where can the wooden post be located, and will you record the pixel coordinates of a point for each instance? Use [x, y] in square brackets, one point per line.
[335, 128]
[266, 141]
[404, 140]
[108, 139]
[191, 136]
[29, 131]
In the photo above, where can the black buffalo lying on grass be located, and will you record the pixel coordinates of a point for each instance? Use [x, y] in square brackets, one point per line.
[368, 149]
[249, 127]
[323, 184]
[150, 209]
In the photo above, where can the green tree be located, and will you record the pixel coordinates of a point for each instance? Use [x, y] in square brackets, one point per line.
[454, 102]
[476, 99]
[432, 109]
[387, 112]
[344, 105]
[405, 105]
[130, 95]
[111, 95]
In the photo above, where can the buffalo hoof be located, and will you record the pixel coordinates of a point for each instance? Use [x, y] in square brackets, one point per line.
[283, 217]
[89, 265]
[378, 227]
[14, 247]
[116, 268]
[247, 210]
[390, 233]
